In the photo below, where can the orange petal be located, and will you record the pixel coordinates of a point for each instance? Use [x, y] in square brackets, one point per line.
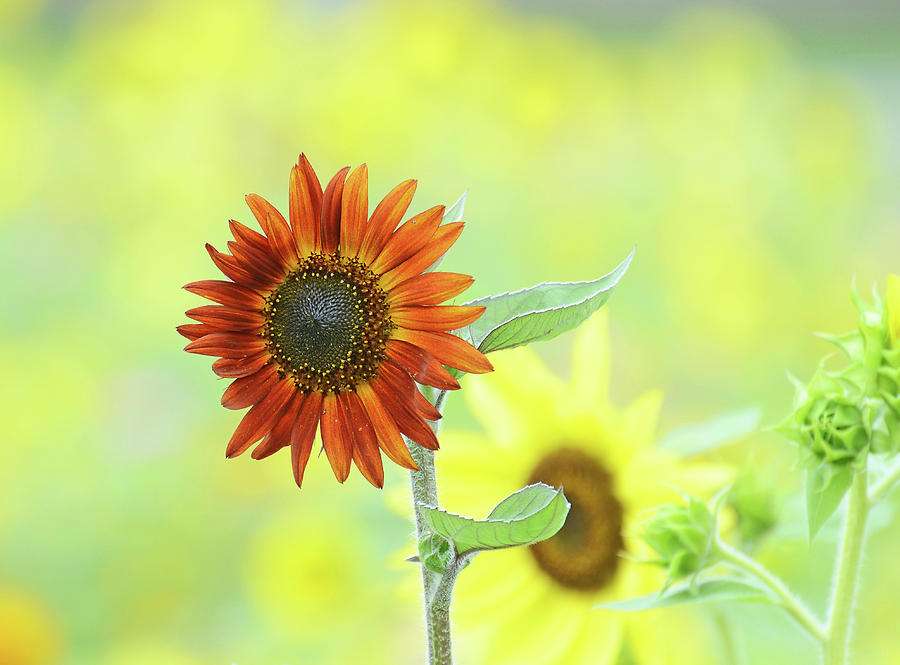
[389, 438]
[234, 271]
[436, 317]
[260, 418]
[233, 368]
[227, 318]
[262, 209]
[365, 442]
[281, 241]
[304, 216]
[330, 220]
[420, 364]
[430, 288]
[335, 438]
[304, 433]
[398, 399]
[425, 408]
[449, 349]
[410, 238]
[227, 345]
[384, 220]
[227, 293]
[280, 436]
[194, 331]
[261, 260]
[354, 211]
[247, 236]
[442, 240]
[248, 390]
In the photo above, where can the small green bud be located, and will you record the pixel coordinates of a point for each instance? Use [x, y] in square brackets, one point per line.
[683, 537]
[436, 553]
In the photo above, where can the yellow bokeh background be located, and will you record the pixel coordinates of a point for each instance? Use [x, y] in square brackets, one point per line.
[748, 152]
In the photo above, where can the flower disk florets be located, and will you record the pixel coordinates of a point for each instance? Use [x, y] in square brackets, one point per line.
[328, 323]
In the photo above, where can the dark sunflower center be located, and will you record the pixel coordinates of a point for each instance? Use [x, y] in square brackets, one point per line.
[327, 323]
[584, 555]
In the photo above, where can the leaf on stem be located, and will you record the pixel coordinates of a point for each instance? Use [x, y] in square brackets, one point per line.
[540, 312]
[712, 590]
[528, 516]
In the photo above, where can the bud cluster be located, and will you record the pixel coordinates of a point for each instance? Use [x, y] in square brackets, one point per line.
[683, 537]
[842, 415]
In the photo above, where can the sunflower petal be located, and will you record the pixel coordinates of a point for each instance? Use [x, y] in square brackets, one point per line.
[412, 237]
[442, 240]
[236, 272]
[335, 438]
[436, 317]
[281, 241]
[280, 436]
[365, 442]
[227, 293]
[330, 219]
[448, 348]
[303, 209]
[389, 438]
[354, 211]
[304, 433]
[248, 390]
[430, 288]
[194, 331]
[385, 219]
[227, 318]
[227, 345]
[258, 420]
[233, 368]
[420, 364]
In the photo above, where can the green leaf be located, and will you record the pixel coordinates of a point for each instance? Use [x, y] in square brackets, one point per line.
[528, 516]
[713, 590]
[540, 312]
[826, 486]
[699, 437]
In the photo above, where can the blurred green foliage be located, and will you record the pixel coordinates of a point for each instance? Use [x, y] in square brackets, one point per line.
[750, 172]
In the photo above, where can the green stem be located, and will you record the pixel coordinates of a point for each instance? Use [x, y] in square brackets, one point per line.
[424, 493]
[789, 602]
[837, 645]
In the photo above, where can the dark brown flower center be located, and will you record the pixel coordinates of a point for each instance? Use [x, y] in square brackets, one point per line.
[327, 323]
[584, 555]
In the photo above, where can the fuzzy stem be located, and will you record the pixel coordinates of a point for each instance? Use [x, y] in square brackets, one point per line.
[837, 645]
[424, 493]
[789, 602]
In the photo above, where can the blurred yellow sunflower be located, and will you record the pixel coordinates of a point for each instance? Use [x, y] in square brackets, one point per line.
[534, 604]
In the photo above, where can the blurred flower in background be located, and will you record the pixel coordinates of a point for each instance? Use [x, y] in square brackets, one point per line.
[535, 604]
[29, 633]
[746, 151]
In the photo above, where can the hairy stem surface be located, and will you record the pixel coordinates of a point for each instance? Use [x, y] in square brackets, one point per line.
[424, 493]
[837, 645]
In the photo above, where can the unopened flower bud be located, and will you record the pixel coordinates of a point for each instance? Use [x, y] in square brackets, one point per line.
[683, 537]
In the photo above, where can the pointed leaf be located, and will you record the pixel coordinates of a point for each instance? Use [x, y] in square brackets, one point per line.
[540, 312]
[826, 486]
[528, 516]
[712, 590]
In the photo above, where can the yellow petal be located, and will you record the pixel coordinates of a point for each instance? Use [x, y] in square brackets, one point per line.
[591, 360]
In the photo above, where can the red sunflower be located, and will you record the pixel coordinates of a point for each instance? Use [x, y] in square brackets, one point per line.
[328, 322]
